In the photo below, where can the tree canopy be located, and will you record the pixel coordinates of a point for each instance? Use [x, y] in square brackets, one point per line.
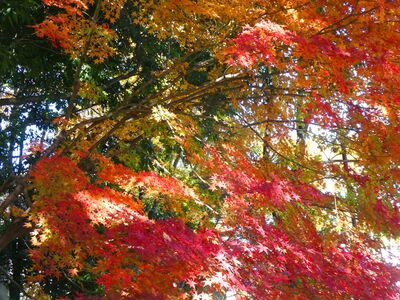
[181, 149]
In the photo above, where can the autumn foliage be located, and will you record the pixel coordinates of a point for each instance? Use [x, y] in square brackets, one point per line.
[135, 256]
[266, 105]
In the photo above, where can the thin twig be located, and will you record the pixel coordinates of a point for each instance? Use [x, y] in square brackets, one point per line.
[15, 283]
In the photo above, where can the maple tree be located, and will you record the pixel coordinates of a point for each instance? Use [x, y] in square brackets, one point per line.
[191, 148]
